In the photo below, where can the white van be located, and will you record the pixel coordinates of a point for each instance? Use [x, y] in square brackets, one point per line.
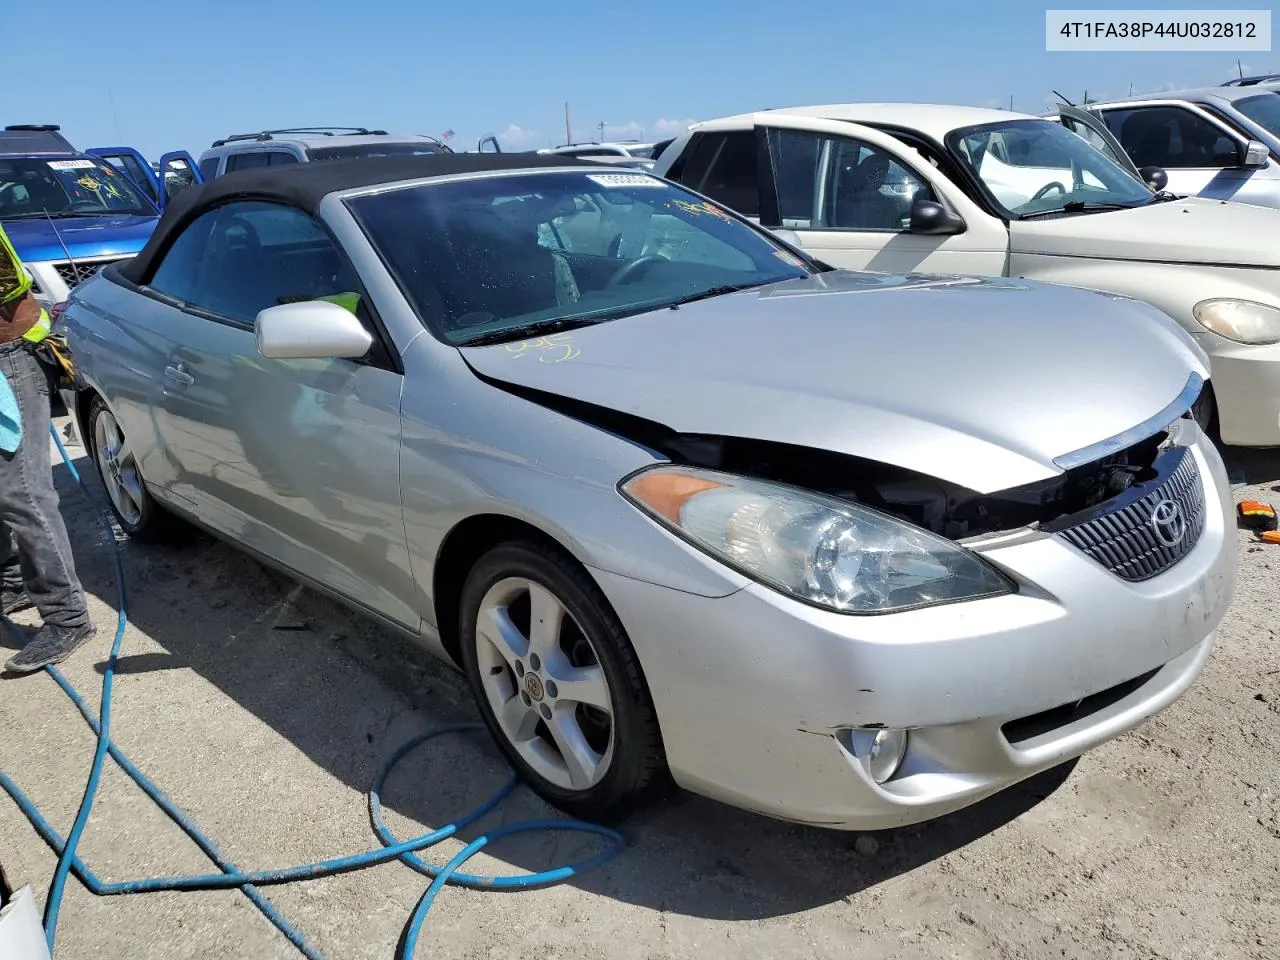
[944, 189]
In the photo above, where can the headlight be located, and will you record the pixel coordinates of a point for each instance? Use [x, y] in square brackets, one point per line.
[824, 551]
[1240, 320]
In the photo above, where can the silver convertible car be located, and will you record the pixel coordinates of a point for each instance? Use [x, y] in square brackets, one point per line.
[684, 505]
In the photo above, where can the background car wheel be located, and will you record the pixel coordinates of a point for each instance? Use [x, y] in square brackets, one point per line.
[133, 507]
[558, 683]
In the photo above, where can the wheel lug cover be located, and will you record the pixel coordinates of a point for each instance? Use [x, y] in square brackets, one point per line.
[525, 697]
[519, 668]
[534, 661]
[545, 711]
[551, 688]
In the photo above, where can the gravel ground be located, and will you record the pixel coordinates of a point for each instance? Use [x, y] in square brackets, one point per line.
[263, 710]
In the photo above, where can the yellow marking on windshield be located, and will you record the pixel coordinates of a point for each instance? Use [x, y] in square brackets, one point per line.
[555, 348]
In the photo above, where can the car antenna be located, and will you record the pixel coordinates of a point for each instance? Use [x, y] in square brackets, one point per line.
[62, 243]
[1062, 98]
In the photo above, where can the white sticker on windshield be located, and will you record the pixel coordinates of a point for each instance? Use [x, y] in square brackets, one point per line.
[72, 164]
[624, 180]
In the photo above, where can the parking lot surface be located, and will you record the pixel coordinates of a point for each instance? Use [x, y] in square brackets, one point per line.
[263, 710]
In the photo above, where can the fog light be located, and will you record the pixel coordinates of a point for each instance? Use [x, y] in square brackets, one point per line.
[880, 751]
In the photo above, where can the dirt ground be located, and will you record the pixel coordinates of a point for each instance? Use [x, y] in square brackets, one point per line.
[263, 710]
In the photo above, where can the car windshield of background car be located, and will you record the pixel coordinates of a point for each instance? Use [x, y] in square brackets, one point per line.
[1035, 166]
[481, 258]
[35, 187]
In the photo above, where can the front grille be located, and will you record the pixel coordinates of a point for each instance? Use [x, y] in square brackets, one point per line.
[1139, 535]
[76, 273]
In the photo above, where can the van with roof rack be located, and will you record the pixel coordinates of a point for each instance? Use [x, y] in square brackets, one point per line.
[70, 212]
[244, 151]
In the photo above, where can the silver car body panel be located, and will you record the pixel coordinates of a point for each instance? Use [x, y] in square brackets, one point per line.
[353, 477]
[871, 365]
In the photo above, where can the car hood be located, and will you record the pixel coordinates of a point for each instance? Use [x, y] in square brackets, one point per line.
[1193, 230]
[87, 237]
[981, 382]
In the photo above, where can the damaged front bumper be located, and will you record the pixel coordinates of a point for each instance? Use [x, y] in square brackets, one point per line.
[758, 694]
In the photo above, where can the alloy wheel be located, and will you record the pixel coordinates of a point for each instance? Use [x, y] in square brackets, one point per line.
[544, 682]
[118, 467]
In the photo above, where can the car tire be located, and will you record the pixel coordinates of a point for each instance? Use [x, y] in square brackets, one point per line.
[134, 509]
[614, 759]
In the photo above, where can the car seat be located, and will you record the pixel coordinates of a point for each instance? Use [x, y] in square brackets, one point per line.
[859, 202]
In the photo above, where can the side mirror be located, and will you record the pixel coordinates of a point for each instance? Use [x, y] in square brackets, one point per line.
[789, 237]
[311, 330]
[1154, 177]
[931, 218]
[1256, 155]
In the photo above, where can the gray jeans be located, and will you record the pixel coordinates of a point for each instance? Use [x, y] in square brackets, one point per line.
[33, 538]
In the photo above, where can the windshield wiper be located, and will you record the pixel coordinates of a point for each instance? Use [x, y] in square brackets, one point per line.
[538, 328]
[720, 291]
[1077, 206]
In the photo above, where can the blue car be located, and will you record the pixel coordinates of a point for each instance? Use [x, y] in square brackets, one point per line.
[69, 212]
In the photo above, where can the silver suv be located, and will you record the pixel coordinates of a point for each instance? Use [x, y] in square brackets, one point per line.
[243, 151]
[1217, 142]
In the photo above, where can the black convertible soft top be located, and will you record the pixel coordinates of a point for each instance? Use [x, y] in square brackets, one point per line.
[304, 185]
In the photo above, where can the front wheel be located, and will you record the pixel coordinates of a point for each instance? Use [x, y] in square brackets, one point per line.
[558, 683]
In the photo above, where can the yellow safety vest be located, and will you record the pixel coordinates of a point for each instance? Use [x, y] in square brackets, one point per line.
[15, 284]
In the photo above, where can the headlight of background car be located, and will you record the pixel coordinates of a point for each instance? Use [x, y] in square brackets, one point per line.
[822, 550]
[1240, 320]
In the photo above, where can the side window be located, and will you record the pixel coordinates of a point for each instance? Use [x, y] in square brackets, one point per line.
[1172, 137]
[247, 161]
[281, 157]
[834, 183]
[179, 269]
[723, 166]
[255, 255]
[209, 168]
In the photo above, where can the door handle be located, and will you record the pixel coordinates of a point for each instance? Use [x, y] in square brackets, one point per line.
[178, 374]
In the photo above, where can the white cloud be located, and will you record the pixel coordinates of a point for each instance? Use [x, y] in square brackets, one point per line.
[659, 129]
[518, 138]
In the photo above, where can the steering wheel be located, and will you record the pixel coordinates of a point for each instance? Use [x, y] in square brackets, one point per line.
[1044, 191]
[632, 270]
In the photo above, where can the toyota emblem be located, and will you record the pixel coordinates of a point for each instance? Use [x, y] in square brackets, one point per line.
[1168, 523]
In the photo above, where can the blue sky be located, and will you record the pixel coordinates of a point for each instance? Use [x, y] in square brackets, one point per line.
[161, 77]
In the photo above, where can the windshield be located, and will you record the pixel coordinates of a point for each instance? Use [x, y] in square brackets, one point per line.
[413, 148]
[1035, 166]
[79, 187]
[498, 257]
[1264, 110]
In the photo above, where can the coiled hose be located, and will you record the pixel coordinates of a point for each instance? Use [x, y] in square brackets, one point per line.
[231, 876]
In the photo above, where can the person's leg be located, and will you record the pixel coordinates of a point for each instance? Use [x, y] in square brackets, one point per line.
[13, 591]
[29, 507]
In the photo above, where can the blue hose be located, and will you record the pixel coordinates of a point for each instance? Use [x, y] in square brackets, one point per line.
[248, 881]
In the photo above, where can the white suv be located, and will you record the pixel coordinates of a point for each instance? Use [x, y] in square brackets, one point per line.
[243, 151]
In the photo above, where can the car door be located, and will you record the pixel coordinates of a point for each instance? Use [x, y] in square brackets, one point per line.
[134, 166]
[845, 190]
[1092, 129]
[178, 170]
[297, 460]
[1200, 154]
